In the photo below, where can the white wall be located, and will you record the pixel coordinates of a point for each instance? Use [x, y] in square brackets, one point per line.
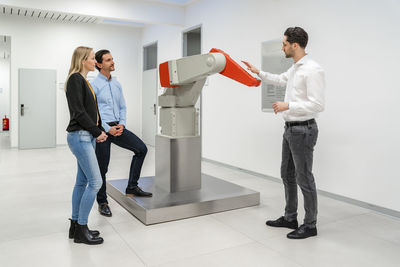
[5, 89]
[49, 45]
[168, 38]
[357, 44]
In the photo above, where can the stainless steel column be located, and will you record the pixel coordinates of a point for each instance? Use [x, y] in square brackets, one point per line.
[178, 163]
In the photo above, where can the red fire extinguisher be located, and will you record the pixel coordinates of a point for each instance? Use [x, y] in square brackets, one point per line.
[6, 123]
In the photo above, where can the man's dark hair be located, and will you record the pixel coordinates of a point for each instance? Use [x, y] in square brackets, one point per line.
[296, 35]
[99, 56]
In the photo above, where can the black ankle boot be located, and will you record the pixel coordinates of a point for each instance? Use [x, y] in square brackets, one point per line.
[94, 233]
[82, 235]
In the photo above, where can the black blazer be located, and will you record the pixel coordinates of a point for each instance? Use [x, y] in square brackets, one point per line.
[83, 108]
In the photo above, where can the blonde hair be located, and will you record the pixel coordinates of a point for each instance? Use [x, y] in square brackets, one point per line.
[80, 53]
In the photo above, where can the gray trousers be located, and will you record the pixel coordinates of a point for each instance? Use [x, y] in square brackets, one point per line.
[296, 169]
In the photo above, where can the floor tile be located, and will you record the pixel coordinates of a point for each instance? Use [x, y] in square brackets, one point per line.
[337, 245]
[377, 225]
[57, 250]
[253, 254]
[35, 201]
[161, 243]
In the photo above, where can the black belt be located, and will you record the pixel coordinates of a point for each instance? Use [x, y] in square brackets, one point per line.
[113, 123]
[297, 123]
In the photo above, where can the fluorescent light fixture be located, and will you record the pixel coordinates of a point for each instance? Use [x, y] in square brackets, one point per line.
[124, 22]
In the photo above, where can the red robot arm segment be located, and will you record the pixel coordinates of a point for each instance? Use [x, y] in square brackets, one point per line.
[231, 70]
[164, 76]
[235, 71]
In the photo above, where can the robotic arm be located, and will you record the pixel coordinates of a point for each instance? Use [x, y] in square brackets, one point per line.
[184, 79]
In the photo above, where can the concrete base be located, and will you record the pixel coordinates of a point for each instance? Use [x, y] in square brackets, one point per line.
[216, 195]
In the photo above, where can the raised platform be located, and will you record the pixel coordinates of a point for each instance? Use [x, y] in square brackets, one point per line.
[216, 195]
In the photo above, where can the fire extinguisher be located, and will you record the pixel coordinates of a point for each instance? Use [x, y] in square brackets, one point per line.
[6, 123]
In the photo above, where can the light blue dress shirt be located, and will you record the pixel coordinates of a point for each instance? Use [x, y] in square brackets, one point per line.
[110, 100]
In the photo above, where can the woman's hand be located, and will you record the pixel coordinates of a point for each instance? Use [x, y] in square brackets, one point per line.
[101, 138]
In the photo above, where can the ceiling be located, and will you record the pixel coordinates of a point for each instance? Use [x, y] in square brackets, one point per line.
[45, 15]
[150, 14]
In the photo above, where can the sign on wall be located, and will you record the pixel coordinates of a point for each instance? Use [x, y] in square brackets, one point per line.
[273, 60]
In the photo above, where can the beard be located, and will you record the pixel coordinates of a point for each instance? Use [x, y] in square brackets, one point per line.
[288, 55]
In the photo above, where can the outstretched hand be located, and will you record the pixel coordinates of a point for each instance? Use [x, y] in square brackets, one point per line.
[251, 67]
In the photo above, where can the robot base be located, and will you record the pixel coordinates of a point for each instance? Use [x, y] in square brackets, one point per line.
[216, 195]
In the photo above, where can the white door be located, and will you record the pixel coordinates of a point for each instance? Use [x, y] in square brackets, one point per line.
[149, 106]
[37, 108]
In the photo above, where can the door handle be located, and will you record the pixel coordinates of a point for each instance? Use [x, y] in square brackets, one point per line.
[22, 110]
[154, 109]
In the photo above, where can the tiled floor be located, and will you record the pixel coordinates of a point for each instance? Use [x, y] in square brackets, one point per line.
[35, 192]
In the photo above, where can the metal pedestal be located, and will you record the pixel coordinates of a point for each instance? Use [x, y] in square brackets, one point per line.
[178, 163]
[215, 195]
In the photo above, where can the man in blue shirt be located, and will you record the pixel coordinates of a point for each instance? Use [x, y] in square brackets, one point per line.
[112, 110]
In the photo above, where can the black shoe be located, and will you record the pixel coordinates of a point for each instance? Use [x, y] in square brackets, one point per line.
[302, 232]
[104, 210]
[82, 235]
[94, 233]
[281, 222]
[137, 191]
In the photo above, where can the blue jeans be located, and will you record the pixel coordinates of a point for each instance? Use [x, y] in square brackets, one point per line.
[88, 178]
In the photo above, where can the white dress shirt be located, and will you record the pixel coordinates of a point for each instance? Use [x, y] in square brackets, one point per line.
[305, 89]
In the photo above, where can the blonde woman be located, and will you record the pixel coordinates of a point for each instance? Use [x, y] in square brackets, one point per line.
[84, 130]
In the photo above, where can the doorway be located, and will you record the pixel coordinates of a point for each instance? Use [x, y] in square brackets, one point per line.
[192, 42]
[37, 108]
[5, 90]
[149, 94]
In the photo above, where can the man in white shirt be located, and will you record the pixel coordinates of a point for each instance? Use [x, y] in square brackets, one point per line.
[304, 99]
